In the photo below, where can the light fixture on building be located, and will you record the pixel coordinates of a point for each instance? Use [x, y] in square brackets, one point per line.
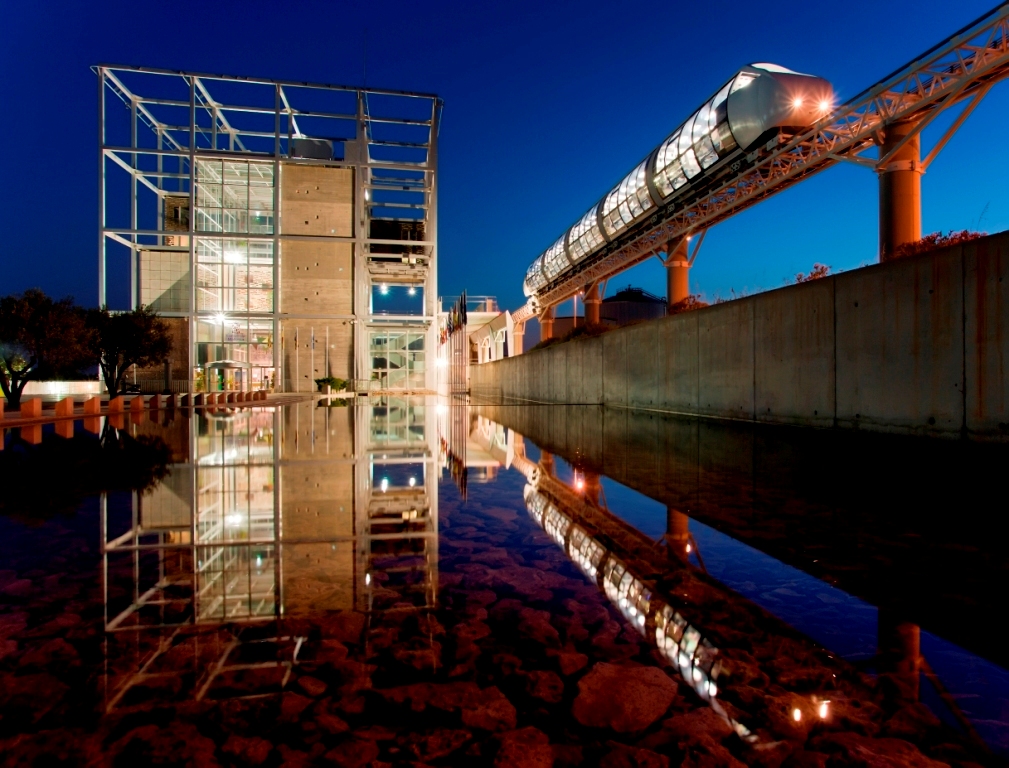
[412, 291]
[413, 481]
[220, 318]
[383, 289]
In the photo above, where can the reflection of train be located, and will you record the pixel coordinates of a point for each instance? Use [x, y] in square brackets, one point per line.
[727, 135]
[688, 651]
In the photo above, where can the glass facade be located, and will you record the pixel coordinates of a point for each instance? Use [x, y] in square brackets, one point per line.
[234, 275]
[397, 359]
[235, 518]
[234, 353]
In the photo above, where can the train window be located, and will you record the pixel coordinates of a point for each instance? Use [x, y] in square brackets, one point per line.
[628, 201]
[690, 165]
[705, 152]
[554, 260]
[585, 236]
[685, 137]
[700, 123]
[742, 80]
[723, 139]
[720, 97]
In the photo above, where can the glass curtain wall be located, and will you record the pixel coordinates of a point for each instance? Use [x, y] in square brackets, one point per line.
[235, 531]
[397, 359]
[235, 291]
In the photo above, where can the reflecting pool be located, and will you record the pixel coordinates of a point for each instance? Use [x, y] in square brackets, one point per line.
[419, 581]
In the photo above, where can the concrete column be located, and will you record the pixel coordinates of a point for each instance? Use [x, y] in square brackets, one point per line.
[677, 272]
[547, 324]
[518, 331]
[899, 191]
[593, 300]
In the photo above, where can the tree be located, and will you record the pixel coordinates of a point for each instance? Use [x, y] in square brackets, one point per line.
[39, 339]
[120, 340]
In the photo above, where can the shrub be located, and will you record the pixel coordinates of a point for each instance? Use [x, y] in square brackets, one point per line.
[338, 385]
[585, 329]
[818, 271]
[936, 240]
[693, 301]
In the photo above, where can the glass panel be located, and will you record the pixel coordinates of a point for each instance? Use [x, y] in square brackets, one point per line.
[555, 260]
[585, 236]
[685, 141]
[700, 124]
[690, 165]
[391, 299]
[234, 206]
[705, 152]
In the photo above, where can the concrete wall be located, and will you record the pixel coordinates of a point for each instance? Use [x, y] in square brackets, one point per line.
[316, 275]
[919, 345]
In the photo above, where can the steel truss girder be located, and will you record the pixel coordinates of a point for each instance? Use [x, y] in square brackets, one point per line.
[964, 66]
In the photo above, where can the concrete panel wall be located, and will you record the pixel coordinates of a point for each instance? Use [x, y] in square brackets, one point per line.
[725, 360]
[986, 333]
[900, 345]
[918, 345]
[794, 355]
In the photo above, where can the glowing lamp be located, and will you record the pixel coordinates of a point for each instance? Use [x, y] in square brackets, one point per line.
[796, 714]
[383, 289]
[824, 105]
[797, 102]
[823, 709]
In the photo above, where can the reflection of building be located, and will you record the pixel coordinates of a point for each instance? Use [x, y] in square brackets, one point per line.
[279, 513]
[285, 230]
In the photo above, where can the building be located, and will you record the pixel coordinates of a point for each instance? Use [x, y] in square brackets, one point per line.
[631, 305]
[287, 231]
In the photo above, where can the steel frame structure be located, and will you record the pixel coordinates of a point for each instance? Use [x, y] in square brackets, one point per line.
[962, 68]
[394, 536]
[178, 118]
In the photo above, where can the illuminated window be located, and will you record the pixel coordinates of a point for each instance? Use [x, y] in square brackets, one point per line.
[585, 236]
[629, 200]
[555, 260]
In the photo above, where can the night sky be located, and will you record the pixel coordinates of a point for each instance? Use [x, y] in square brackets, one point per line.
[547, 106]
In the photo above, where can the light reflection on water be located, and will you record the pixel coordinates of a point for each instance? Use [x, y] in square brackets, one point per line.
[279, 512]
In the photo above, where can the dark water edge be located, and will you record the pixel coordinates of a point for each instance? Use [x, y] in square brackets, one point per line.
[536, 626]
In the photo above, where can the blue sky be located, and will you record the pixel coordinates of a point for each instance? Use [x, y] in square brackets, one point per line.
[547, 105]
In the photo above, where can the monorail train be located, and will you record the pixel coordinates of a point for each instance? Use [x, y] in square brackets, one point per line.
[693, 655]
[723, 138]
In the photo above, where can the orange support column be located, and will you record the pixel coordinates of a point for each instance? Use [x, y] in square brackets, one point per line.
[899, 190]
[678, 532]
[547, 324]
[593, 300]
[677, 272]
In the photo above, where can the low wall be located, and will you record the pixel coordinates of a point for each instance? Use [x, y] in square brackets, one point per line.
[918, 345]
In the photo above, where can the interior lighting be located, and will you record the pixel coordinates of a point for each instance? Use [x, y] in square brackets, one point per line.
[823, 709]
[412, 291]
[797, 102]
[220, 318]
[796, 715]
[383, 289]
